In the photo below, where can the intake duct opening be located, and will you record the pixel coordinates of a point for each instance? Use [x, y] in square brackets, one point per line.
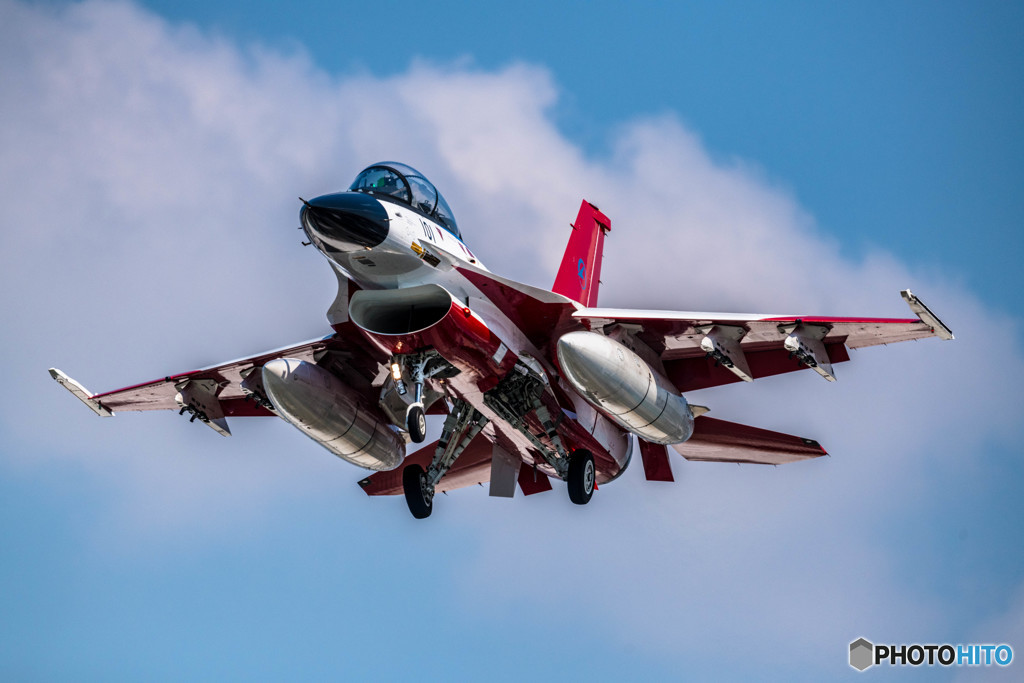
[399, 311]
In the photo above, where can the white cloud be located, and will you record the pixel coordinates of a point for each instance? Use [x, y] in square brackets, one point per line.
[147, 195]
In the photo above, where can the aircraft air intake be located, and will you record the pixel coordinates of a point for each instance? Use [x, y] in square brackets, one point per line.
[428, 316]
[616, 381]
[400, 311]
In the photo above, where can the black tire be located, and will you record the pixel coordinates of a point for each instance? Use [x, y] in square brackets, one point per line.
[582, 477]
[413, 480]
[416, 424]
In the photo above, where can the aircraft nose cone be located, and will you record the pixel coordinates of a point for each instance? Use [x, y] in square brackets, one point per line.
[345, 221]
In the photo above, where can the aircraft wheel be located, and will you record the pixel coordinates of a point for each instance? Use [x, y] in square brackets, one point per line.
[582, 476]
[414, 482]
[416, 423]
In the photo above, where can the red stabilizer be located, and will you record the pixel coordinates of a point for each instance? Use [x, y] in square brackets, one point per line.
[580, 273]
[531, 481]
[655, 459]
[720, 441]
[473, 467]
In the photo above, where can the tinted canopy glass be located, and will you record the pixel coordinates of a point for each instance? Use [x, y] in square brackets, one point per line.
[408, 186]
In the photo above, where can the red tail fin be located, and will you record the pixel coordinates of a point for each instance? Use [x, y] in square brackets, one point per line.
[580, 273]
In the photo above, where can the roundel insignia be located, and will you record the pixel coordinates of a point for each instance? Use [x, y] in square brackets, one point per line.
[581, 269]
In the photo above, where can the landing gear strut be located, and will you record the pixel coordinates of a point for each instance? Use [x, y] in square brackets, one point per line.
[418, 368]
[463, 423]
[518, 394]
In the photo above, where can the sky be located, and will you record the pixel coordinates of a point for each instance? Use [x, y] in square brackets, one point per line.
[785, 158]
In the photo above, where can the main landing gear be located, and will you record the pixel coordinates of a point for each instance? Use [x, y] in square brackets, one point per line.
[516, 396]
[519, 394]
[463, 423]
[418, 495]
[582, 477]
[460, 428]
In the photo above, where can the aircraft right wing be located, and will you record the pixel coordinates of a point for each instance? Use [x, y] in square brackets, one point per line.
[222, 390]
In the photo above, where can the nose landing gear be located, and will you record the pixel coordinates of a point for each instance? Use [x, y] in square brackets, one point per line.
[416, 368]
[416, 423]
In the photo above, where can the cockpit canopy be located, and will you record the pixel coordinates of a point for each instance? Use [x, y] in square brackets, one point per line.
[408, 186]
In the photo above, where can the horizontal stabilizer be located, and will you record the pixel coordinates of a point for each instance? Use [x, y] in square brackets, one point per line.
[720, 441]
[472, 467]
[81, 393]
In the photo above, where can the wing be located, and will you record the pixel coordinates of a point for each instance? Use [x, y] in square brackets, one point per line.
[701, 349]
[222, 389]
[233, 389]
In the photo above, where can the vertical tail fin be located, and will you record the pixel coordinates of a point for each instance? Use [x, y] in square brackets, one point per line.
[580, 273]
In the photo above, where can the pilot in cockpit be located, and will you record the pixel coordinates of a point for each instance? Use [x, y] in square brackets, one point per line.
[387, 183]
[407, 185]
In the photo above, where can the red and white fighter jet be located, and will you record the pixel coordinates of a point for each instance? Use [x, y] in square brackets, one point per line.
[535, 384]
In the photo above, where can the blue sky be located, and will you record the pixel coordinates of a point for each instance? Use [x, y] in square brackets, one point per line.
[893, 123]
[790, 158]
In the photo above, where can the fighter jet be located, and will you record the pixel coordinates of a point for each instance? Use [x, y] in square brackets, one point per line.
[534, 384]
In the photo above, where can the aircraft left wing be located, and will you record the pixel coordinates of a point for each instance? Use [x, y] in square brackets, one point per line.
[701, 349]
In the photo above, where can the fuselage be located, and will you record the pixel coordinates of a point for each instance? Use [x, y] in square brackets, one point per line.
[380, 244]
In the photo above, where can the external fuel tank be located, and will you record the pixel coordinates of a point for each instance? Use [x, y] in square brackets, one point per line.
[328, 411]
[616, 381]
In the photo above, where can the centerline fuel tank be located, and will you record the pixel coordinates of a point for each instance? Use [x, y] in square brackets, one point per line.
[616, 381]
